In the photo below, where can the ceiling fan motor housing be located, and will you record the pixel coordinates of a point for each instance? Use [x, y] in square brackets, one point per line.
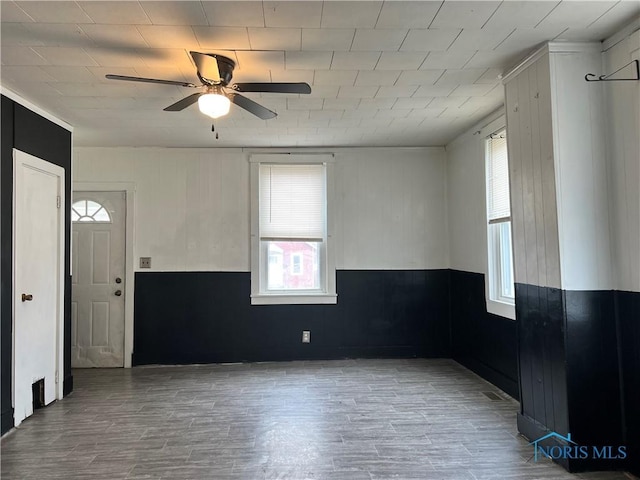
[225, 68]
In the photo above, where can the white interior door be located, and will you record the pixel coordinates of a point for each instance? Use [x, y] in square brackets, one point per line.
[98, 267]
[38, 256]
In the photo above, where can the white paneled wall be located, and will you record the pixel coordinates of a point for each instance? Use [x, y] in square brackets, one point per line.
[391, 209]
[622, 100]
[466, 200]
[580, 167]
[467, 204]
[597, 205]
[531, 176]
[192, 205]
[558, 172]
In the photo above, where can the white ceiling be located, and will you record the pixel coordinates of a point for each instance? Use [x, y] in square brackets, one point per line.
[390, 73]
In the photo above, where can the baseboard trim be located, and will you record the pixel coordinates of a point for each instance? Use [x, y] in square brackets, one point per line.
[504, 383]
[6, 421]
[533, 430]
[286, 356]
[67, 386]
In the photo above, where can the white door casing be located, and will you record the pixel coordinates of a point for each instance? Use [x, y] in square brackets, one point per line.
[38, 273]
[98, 276]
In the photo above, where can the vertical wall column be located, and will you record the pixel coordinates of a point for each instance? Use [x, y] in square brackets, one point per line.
[622, 112]
[568, 366]
[539, 310]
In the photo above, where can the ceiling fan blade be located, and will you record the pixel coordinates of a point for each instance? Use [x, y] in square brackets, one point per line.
[207, 66]
[272, 87]
[184, 103]
[150, 80]
[251, 106]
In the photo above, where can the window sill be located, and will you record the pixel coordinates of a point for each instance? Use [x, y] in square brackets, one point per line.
[502, 309]
[294, 299]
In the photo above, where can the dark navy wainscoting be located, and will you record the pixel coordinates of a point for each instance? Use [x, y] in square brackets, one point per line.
[628, 314]
[593, 375]
[541, 355]
[570, 368]
[6, 200]
[33, 134]
[482, 342]
[201, 317]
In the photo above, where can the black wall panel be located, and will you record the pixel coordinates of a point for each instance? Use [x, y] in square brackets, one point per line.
[6, 200]
[187, 317]
[541, 356]
[628, 314]
[593, 376]
[37, 136]
[482, 342]
[579, 363]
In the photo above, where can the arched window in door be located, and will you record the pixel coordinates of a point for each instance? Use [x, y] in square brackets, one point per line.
[89, 211]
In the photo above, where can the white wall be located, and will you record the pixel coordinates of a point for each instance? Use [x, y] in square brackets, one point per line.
[192, 205]
[466, 197]
[580, 168]
[466, 204]
[391, 209]
[622, 101]
[561, 234]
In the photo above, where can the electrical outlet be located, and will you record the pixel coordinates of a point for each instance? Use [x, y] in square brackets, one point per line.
[145, 262]
[306, 336]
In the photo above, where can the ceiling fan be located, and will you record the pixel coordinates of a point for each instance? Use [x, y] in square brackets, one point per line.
[215, 72]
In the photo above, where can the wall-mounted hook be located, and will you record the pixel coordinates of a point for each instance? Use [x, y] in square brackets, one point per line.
[590, 77]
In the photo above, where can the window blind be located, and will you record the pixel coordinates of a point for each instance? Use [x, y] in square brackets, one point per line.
[292, 202]
[498, 198]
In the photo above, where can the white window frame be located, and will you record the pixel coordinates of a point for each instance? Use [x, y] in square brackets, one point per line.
[300, 258]
[495, 261]
[495, 302]
[327, 293]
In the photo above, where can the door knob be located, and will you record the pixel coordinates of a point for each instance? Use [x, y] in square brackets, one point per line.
[27, 297]
[118, 293]
[118, 280]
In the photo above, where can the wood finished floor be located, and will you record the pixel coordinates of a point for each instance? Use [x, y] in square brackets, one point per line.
[347, 420]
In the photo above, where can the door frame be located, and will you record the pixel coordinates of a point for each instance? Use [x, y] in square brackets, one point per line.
[20, 157]
[129, 189]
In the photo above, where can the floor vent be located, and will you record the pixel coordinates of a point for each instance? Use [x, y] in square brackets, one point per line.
[492, 396]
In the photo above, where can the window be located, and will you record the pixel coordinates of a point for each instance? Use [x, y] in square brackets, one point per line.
[501, 278]
[291, 257]
[296, 263]
[89, 211]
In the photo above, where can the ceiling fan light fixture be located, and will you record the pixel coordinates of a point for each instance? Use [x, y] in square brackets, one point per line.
[214, 105]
